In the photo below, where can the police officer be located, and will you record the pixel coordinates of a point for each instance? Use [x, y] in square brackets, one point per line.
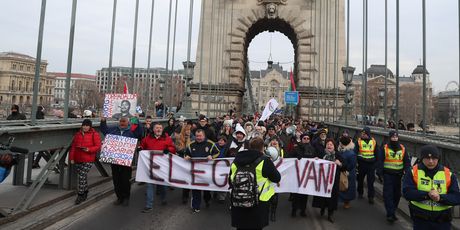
[200, 148]
[432, 190]
[366, 150]
[393, 161]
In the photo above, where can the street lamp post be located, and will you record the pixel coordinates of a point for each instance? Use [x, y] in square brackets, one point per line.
[186, 109]
[162, 87]
[348, 72]
[381, 97]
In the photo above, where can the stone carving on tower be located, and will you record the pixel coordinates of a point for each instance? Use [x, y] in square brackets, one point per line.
[271, 7]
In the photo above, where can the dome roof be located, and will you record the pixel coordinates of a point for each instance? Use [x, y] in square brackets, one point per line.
[419, 70]
[378, 70]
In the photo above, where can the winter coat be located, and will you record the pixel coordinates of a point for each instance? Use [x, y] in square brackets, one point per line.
[164, 142]
[255, 217]
[115, 130]
[201, 149]
[90, 140]
[304, 151]
[331, 203]
[16, 116]
[319, 146]
[349, 156]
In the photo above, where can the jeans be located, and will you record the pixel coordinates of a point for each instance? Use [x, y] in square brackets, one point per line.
[196, 198]
[150, 194]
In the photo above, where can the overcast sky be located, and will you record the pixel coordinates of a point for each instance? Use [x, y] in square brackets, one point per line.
[19, 25]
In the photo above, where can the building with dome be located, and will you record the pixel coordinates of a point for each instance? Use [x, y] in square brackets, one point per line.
[410, 100]
[269, 83]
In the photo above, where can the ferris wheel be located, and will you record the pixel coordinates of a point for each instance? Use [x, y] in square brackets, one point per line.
[452, 86]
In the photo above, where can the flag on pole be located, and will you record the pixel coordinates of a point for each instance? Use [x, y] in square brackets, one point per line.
[291, 77]
[125, 88]
[270, 107]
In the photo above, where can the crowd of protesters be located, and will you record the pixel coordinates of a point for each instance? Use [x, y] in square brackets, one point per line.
[245, 138]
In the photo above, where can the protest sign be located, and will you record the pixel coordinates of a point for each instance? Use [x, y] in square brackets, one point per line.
[120, 105]
[118, 150]
[304, 176]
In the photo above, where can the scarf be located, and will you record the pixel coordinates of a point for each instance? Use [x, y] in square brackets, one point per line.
[329, 156]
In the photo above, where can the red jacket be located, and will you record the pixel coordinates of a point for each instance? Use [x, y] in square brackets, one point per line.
[161, 143]
[90, 140]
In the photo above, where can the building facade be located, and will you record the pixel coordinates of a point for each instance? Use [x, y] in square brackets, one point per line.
[411, 93]
[447, 107]
[17, 72]
[266, 84]
[78, 82]
[155, 85]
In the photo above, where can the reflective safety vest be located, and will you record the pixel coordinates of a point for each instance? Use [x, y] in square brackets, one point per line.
[440, 182]
[264, 186]
[366, 150]
[394, 160]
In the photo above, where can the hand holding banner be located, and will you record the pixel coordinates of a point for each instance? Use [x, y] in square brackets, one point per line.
[304, 176]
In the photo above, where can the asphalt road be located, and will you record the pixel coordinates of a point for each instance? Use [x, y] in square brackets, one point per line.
[175, 215]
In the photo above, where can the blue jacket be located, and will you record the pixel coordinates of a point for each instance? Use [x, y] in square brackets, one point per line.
[411, 193]
[115, 130]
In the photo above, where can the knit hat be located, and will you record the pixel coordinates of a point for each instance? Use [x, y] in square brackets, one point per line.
[87, 122]
[366, 130]
[392, 133]
[304, 135]
[222, 138]
[429, 151]
[345, 140]
[16, 107]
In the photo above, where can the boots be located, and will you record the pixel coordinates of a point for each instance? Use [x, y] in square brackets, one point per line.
[81, 197]
[330, 216]
[346, 204]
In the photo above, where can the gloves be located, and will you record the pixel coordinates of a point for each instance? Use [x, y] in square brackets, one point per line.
[166, 151]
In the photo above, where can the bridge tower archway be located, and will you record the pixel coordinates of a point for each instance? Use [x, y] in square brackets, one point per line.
[222, 62]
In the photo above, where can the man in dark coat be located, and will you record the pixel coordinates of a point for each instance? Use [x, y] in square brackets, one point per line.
[15, 114]
[121, 175]
[208, 130]
[255, 217]
[303, 150]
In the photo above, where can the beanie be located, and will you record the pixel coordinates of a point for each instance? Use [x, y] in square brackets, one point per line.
[429, 151]
[345, 140]
[87, 122]
[392, 133]
[367, 130]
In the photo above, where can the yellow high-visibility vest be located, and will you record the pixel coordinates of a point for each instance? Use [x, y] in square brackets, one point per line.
[394, 160]
[366, 150]
[264, 186]
[441, 182]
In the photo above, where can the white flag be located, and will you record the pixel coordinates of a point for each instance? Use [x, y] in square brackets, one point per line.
[270, 107]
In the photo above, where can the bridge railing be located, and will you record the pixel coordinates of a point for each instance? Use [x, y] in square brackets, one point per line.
[413, 141]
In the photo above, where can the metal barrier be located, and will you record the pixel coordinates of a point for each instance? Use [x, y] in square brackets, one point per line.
[54, 138]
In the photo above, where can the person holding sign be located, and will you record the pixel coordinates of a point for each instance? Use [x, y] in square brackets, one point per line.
[200, 148]
[331, 203]
[121, 175]
[85, 144]
[252, 213]
[158, 141]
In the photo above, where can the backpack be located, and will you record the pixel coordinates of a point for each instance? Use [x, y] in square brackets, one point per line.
[245, 193]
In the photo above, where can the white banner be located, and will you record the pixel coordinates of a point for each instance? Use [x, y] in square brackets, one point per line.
[270, 107]
[304, 176]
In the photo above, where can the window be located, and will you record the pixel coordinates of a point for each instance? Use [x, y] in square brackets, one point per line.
[12, 85]
[14, 66]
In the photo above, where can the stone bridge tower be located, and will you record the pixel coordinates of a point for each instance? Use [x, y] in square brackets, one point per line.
[315, 28]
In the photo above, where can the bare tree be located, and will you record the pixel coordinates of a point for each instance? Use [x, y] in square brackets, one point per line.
[86, 94]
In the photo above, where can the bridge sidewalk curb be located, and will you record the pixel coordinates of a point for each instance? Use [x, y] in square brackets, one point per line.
[56, 209]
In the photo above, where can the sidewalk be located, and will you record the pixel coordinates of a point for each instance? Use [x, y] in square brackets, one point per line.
[11, 195]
